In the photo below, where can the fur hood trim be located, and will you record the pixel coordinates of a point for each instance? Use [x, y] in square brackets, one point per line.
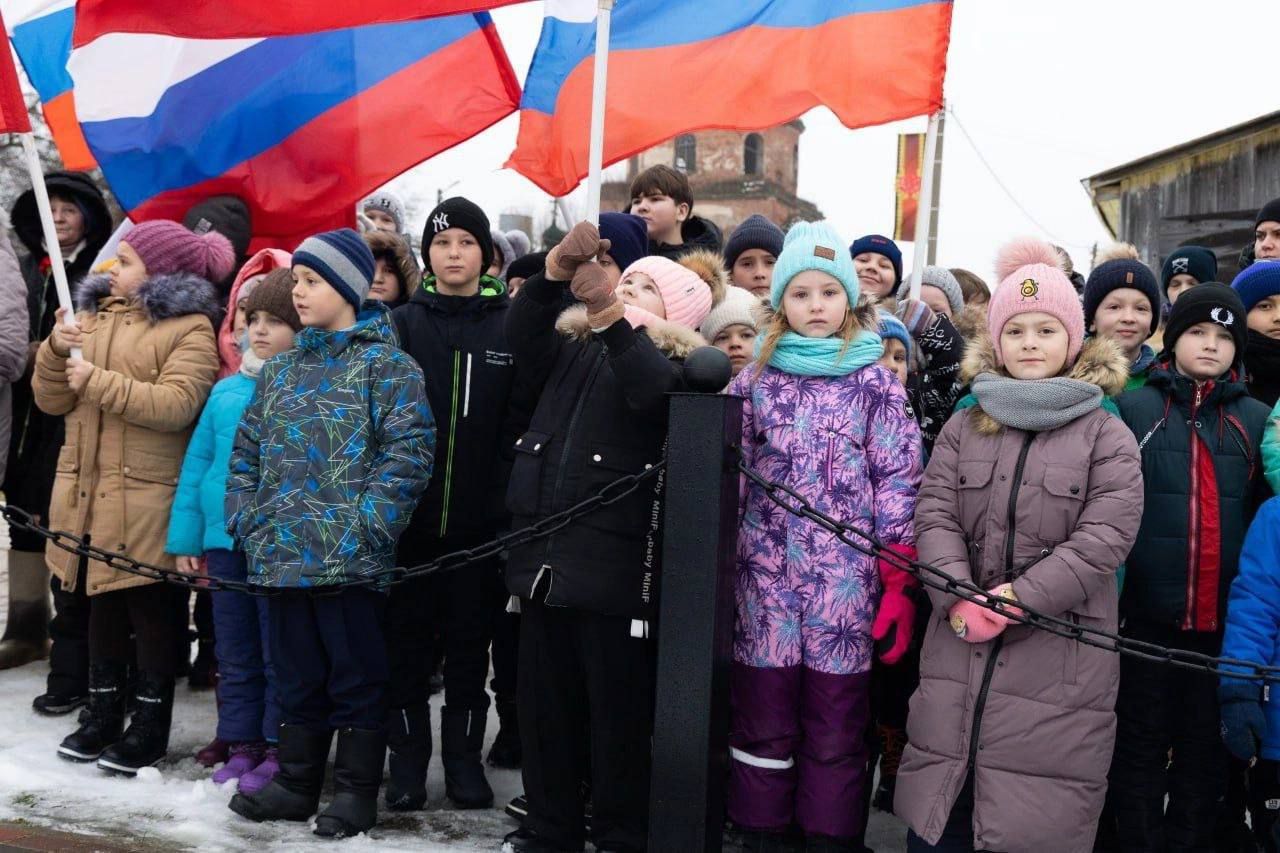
[971, 323]
[673, 340]
[1101, 362]
[393, 246]
[708, 266]
[161, 297]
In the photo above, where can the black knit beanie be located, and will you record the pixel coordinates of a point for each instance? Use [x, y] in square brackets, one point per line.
[1113, 275]
[1213, 302]
[458, 212]
[1270, 213]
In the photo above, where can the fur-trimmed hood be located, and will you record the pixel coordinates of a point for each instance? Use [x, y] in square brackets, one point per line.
[161, 297]
[1101, 362]
[971, 322]
[673, 340]
[393, 246]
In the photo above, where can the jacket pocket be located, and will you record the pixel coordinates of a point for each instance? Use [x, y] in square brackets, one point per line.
[608, 463]
[525, 485]
[1065, 487]
[973, 493]
[1071, 664]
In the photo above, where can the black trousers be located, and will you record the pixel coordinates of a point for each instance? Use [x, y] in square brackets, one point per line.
[330, 658]
[1264, 804]
[69, 633]
[461, 605]
[1163, 709]
[586, 712]
[141, 617]
[957, 835]
[506, 652]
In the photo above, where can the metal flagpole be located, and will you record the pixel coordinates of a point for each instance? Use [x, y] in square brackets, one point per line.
[50, 233]
[599, 84]
[925, 212]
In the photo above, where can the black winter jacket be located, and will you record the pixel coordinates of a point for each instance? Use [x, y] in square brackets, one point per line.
[460, 343]
[697, 233]
[1203, 478]
[602, 414]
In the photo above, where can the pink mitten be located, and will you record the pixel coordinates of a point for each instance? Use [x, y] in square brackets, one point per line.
[896, 616]
[976, 624]
[1005, 591]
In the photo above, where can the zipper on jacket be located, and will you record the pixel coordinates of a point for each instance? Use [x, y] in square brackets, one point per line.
[1193, 521]
[466, 394]
[578, 406]
[448, 462]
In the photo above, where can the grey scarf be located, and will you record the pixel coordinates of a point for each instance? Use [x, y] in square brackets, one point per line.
[1035, 405]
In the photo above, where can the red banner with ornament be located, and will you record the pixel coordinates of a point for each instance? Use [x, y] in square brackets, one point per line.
[906, 186]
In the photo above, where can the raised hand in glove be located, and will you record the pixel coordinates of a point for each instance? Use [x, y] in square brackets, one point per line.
[896, 616]
[580, 245]
[1244, 725]
[592, 287]
[915, 315]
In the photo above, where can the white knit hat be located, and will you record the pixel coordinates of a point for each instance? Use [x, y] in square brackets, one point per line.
[738, 308]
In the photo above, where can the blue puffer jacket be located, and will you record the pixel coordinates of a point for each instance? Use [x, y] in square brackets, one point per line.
[197, 522]
[332, 455]
[1253, 617]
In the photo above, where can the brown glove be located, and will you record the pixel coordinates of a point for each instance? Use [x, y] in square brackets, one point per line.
[593, 289]
[580, 245]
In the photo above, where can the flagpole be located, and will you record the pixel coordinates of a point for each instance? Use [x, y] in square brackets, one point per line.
[925, 211]
[599, 84]
[50, 233]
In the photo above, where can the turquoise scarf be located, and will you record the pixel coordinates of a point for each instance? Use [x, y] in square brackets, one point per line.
[803, 356]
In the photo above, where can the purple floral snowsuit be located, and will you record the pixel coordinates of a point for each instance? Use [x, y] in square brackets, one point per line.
[805, 600]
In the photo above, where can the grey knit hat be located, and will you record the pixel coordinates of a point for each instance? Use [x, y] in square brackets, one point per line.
[941, 278]
[389, 203]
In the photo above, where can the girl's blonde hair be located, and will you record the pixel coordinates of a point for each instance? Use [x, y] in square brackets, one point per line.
[857, 319]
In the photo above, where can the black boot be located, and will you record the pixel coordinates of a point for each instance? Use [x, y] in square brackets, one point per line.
[295, 792]
[357, 773]
[505, 751]
[104, 718]
[204, 670]
[409, 744]
[146, 741]
[461, 738]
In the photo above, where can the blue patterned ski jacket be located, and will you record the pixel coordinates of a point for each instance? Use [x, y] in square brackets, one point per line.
[331, 457]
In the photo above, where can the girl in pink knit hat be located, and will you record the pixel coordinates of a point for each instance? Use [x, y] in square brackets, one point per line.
[1034, 494]
[147, 361]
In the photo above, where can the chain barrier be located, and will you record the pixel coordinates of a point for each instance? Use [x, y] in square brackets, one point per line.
[931, 576]
[610, 494]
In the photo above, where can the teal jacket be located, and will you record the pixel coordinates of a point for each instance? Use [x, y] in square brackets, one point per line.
[1271, 450]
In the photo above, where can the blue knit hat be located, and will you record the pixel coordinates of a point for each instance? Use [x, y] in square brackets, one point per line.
[628, 235]
[755, 232]
[1195, 261]
[1257, 281]
[342, 259]
[813, 246]
[891, 327]
[881, 246]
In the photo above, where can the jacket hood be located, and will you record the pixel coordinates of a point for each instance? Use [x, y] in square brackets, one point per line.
[161, 297]
[1101, 362]
[673, 340]
[971, 322]
[698, 231]
[80, 188]
[393, 246]
[493, 294]
[261, 263]
[372, 326]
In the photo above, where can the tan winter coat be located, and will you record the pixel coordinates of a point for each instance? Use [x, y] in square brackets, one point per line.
[127, 431]
[1047, 726]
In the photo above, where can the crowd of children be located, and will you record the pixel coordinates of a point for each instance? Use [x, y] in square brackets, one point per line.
[1101, 450]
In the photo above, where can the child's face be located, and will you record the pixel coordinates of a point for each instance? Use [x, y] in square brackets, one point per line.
[1204, 352]
[753, 271]
[639, 290]
[935, 299]
[269, 335]
[382, 220]
[456, 259]
[1180, 284]
[875, 273]
[662, 216]
[495, 266]
[318, 304]
[386, 287]
[129, 272]
[1266, 240]
[611, 269]
[895, 358]
[1264, 317]
[815, 304]
[738, 342]
[240, 321]
[1125, 317]
[1034, 345]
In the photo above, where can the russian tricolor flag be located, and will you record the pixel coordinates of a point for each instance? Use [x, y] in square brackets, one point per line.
[729, 64]
[300, 126]
[41, 33]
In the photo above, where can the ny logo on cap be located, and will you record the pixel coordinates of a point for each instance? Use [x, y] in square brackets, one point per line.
[440, 223]
[1180, 265]
[824, 253]
[1222, 316]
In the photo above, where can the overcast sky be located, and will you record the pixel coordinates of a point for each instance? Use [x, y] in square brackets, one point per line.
[1051, 93]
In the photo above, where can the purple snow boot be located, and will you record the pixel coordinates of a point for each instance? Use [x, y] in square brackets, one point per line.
[258, 778]
[243, 757]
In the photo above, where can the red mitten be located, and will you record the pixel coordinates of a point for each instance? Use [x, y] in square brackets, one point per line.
[974, 623]
[896, 616]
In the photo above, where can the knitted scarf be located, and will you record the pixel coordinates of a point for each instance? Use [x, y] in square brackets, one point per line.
[1262, 364]
[1035, 405]
[802, 356]
[250, 364]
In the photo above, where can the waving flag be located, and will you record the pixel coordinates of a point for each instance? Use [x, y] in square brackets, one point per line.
[255, 18]
[13, 109]
[729, 64]
[301, 127]
[41, 33]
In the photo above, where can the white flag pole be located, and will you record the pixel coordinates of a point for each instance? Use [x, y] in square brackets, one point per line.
[924, 210]
[50, 233]
[599, 84]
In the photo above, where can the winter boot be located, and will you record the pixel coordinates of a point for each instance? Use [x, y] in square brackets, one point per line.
[461, 738]
[295, 792]
[525, 840]
[357, 773]
[259, 777]
[409, 744]
[213, 753]
[26, 633]
[146, 741]
[105, 718]
[204, 670]
[505, 751]
[244, 757]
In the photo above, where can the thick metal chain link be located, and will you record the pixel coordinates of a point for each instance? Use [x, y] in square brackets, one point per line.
[610, 494]
[935, 578]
